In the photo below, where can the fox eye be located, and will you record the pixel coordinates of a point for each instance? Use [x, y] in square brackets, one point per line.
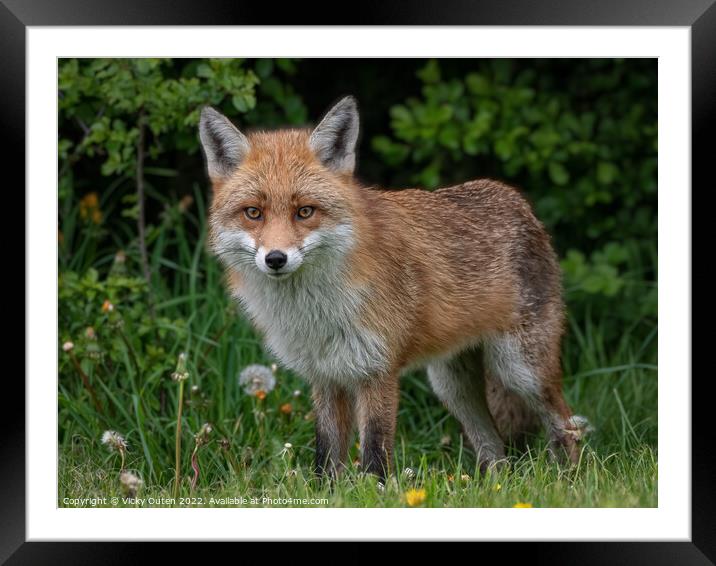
[305, 212]
[252, 213]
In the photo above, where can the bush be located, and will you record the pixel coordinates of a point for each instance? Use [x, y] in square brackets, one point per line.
[579, 136]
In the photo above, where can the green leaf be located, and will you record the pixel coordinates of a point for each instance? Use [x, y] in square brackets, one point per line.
[606, 172]
[204, 71]
[557, 173]
[264, 67]
[240, 103]
[430, 73]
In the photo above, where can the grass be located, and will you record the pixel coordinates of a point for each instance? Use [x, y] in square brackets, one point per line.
[127, 367]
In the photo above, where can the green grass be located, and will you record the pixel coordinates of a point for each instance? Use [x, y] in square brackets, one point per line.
[611, 380]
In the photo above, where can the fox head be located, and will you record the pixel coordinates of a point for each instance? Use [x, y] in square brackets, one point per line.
[283, 200]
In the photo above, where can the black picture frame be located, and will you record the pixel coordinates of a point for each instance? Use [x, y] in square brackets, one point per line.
[699, 15]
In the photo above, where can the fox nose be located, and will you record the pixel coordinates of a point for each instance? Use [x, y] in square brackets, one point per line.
[276, 259]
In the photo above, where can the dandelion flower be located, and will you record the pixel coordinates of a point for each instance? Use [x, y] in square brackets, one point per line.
[415, 497]
[67, 346]
[114, 441]
[498, 486]
[130, 483]
[286, 408]
[255, 378]
[522, 506]
[107, 306]
[260, 394]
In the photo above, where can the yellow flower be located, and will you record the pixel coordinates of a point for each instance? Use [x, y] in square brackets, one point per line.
[415, 497]
[498, 486]
[107, 306]
[260, 394]
[286, 408]
[522, 506]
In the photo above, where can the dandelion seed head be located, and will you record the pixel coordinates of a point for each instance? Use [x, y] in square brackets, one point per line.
[255, 378]
[114, 441]
[202, 436]
[409, 473]
[130, 483]
[297, 393]
[67, 346]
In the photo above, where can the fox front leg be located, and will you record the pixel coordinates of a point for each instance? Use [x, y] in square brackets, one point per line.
[333, 407]
[377, 406]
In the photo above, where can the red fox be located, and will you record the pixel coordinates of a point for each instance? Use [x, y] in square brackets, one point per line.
[351, 285]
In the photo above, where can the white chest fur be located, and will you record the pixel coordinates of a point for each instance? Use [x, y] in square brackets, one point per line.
[312, 324]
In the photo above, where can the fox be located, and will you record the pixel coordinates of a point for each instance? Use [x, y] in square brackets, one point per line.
[351, 286]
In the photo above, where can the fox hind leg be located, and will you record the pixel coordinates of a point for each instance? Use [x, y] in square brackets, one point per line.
[513, 417]
[527, 365]
[459, 384]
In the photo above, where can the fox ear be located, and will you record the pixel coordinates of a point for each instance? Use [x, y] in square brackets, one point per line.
[224, 145]
[334, 139]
